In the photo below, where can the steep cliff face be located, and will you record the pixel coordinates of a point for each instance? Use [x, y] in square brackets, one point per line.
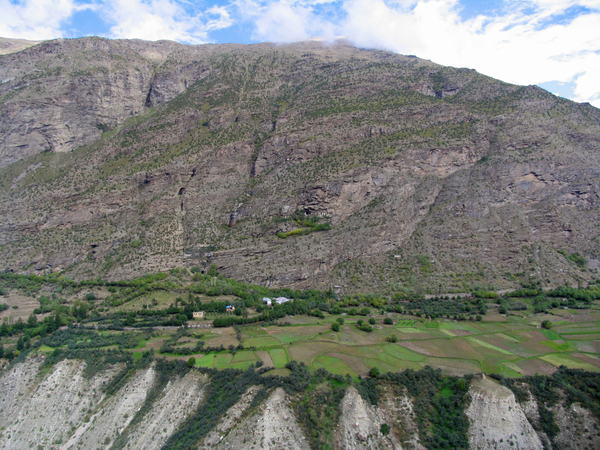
[497, 420]
[429, 177]
[59, 95]
[66, 407]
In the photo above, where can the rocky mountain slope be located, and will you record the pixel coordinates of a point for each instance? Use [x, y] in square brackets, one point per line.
[303, 165]
[68, 406]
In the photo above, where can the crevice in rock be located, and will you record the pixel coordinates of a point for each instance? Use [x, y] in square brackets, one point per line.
[148, 102]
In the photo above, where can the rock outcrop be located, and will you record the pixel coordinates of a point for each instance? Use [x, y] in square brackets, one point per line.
[126, 157]
[273, 427]
[497, 420]
[67, 407]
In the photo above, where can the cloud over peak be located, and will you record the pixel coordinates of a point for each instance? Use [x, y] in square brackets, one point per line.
[519, 41]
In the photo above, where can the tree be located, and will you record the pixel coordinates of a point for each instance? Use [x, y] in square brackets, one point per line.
[129, 320]
[57, 322]
[374, 372]
[388, 321]
[20, 344]
[191, 362]
[213, 270]
[392, 338]
[32, 321]
[372, 321]
[1, 351]
[365, 327]
[478, 318]
[340, 320]
[335, 326]
[546, 324]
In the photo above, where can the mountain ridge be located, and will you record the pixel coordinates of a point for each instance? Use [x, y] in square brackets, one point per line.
[429, 178]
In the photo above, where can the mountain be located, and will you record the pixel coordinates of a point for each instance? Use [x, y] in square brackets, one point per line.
[14, 45]
[300, 165]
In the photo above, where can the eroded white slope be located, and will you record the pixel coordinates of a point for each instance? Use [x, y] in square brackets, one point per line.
[273, 427]
[45, 414]
[114, 415]
[179, 399]
[497, 421]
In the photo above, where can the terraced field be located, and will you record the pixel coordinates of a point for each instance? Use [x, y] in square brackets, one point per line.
[514, 347]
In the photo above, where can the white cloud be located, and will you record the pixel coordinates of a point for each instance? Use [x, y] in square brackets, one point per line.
[222, 18]
[286, 20]
[163, 19]
[178, 20]
[35, 19]
[519, 44]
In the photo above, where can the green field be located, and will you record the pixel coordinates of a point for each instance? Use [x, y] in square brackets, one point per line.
[514, 345]
[279, 357]
[514, 348]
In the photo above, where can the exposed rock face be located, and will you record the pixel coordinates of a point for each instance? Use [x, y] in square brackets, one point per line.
[497, 420]
[114, 417]
[179, 397]
[274, 427]
[360, 425]
[67, 408]
[43, 414]
[209, 149]
[60, 94]
[578, 428]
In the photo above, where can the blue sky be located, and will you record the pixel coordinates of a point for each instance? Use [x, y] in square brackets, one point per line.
[552, 43]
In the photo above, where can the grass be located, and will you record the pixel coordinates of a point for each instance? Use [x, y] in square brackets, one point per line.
[552, 335]
[490, 346]
[402, 353]
[288, 338]
[333, 365]
[260, 342]
[205, 361]
[245, 356]
[279, 357]
[559, 359]
[559, 347]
